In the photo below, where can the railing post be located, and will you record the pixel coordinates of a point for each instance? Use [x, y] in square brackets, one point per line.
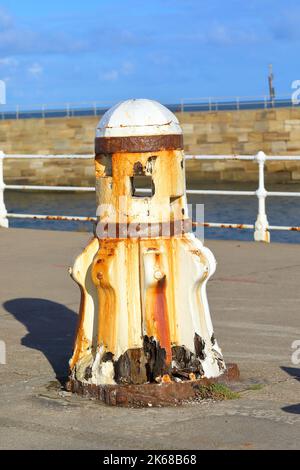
[3, 211]
[181, 105]
[261, 233]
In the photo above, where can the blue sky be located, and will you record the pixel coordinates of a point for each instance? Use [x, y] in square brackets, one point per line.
[108, 50]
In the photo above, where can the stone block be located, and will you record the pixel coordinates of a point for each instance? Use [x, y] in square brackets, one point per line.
[292, 124]
[276, 136]
[279, 147]
[266, 115]
[187, 128]
[243, 137]
[295, 135]
[280, 177]
[274, 167]
[251, 148]
[214, 138]
[238, 175]
[277, 126]
[293, 145]
[261, 126]
[296, 175]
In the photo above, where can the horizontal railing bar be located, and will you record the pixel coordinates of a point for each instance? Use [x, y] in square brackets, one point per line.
[243, 157]
[283, 158]
[246, 226]
[281, 227]
[241, 193]
[221, 225]
[187, 157]
[94, 219]
[141, 190]
[220, 157]
[209, 191]
[280, 193]
[221, 192]
[148, 191]
[49, 188]
[91, 156]
[47, 157]
[52, 217]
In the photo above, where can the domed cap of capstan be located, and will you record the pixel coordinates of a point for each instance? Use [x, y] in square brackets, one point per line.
[138, 126]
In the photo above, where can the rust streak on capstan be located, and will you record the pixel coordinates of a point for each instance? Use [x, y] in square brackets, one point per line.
[81, 342]
[172, 290]
[133, 297]
[160, 315]
[157, 311]
[107, 298]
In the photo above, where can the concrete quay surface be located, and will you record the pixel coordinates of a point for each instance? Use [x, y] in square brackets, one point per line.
[255, 304]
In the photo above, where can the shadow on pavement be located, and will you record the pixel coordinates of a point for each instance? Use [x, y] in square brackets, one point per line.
[295, 409]
[292, 371]
[295, 373]
[51, 329]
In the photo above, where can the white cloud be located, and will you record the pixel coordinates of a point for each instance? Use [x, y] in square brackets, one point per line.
[8, 62]
[124, 70]
[16, 38]
[286, 28]
[110, 75]
[35, 70]
[5, 19]
[127, 68]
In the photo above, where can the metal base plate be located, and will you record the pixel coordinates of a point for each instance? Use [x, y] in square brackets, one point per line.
[168, 394]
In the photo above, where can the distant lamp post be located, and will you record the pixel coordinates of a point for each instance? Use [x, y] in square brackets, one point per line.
[271, 86]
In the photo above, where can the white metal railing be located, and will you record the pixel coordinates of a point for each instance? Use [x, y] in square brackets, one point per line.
[261, 227]
[97, 108]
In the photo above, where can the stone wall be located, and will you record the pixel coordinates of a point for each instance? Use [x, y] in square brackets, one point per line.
[275, 131]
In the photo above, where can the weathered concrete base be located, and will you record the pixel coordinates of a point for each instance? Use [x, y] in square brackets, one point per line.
[150, 394]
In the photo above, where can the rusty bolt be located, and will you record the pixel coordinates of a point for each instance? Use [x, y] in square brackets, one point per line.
[158, 275]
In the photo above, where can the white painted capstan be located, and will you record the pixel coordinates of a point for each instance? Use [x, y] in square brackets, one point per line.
[144, 313]
[136, 118]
